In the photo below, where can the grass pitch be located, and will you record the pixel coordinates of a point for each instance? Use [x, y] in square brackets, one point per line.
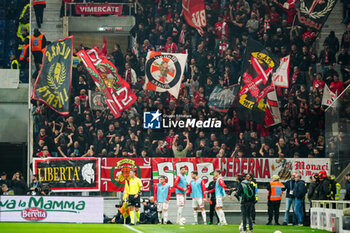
[114, 228]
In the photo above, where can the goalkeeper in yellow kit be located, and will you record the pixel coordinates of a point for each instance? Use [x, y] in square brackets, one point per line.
[133, 191]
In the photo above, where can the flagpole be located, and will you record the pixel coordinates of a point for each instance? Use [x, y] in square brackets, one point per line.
[290, 33]
[337, 98]
[30, 117]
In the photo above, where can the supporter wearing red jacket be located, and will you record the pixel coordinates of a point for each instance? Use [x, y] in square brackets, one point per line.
[336, 86]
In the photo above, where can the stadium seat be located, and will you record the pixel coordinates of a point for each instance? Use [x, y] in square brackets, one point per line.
[11, 44]
[2, 29]
[12, 26]
[12, 10]
[3, 4]
[2, 24]
[13, 5]
[2, 49]
[2, 14]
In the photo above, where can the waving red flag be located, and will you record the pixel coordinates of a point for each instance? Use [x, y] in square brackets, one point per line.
[194, 12]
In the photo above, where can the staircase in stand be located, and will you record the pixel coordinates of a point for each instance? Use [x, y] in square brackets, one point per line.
[333, 23]
[52, 26]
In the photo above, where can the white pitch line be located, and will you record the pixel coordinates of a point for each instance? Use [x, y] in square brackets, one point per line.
[133, 229]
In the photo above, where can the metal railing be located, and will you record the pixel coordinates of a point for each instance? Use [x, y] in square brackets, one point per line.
[71, 7]
[330, 204]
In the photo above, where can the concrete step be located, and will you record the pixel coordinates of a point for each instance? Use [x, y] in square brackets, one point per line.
[333, 23]
[52, 26]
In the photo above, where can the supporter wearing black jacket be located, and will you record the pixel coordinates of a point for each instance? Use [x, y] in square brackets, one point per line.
[347, 188]
[312, 193]
[18, 184]
[324, 187]
[299, 193]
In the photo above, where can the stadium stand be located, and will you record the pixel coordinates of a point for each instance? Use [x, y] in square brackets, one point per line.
[213, 59]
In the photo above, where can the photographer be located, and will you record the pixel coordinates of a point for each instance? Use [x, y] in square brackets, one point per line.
[6, 191]
[149, 216]
[35, 186]
[118, 218]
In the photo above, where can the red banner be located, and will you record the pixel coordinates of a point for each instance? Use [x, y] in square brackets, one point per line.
[98, 9]
[194, 12]
[170, 167]
[262, 168]
[116, 90]
[114, 171]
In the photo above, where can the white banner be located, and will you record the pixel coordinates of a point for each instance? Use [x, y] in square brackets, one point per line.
[264, 168]
[281, 76]
[51, 209]
[274, 116]
[328, 96]
[164, 72]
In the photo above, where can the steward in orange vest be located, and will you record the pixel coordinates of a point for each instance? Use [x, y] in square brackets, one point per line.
[24, 56]
[274, 199]
[38, 43]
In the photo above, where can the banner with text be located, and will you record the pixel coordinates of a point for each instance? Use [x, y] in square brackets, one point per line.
[114, 171]
[98, 9]
[51, 209]
[53, 84]
[69, 174]
[116, 91]
[262, 168]
[194, 13]
[314, 13]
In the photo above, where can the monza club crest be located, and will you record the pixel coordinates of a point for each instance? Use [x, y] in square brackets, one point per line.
[121, 171]
[164, 72]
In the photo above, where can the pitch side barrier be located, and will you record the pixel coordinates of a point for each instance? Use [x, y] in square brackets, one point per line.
[109, 174]
[329, 215]
[51, 209]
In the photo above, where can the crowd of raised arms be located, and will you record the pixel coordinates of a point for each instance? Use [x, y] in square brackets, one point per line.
[214, 59]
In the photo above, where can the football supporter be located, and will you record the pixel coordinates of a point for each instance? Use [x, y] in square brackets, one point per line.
[215, 58]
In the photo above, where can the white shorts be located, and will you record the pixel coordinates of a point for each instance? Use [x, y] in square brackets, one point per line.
[197, 202]
[219, 202]
[162, 206]
[180, 200]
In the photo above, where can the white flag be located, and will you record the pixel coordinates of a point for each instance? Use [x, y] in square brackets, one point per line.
[281, 76]
[328, 96]
[164, 72]
[272, 114]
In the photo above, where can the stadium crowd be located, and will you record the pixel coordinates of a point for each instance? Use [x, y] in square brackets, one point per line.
[214, 59]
